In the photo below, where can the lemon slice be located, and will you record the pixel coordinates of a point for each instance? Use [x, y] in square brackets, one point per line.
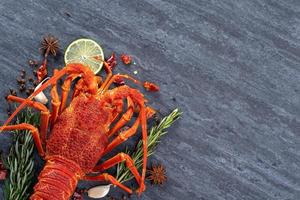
[87, 52]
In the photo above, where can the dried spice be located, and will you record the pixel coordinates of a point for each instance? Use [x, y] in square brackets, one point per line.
[23, 74]
[31, 89]
[124, 197]
[28, 92]
[78, 194]
[151, 87]
[42, 72]
[21, 81]
[32, 63]
[3, 171]
[9, 111]
[22, 88]
[126, 59]
[111, 61]
[111, 198]
[157, 174]
[13, 92]
[49, 45]
[35, 83]
[119, 81]
[30, 79]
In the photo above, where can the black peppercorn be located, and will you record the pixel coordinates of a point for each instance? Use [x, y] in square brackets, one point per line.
[30, 79]
[32, 63]
[13, 92]
[21, 81]
[28, 92]
[22, 88]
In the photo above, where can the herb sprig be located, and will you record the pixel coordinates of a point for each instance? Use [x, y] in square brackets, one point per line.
[20, 161]
[156, 132]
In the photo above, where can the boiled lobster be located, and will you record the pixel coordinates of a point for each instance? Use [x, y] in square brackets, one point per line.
[81, 133]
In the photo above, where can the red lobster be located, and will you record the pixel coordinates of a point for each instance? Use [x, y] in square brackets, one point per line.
[80, 133]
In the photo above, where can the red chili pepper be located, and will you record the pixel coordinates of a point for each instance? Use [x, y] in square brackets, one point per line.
[3, 171]
[42, 72]
[151, 87]
[126, 59]
[119, 81]
[111, 61]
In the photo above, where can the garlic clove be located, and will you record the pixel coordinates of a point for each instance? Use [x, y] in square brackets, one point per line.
[98, 191]
[41, 97]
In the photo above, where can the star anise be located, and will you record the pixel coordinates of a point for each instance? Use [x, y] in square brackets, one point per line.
[50, 44]
[157, 174]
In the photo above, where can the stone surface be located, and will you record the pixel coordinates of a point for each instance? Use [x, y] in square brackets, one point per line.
[233, 67]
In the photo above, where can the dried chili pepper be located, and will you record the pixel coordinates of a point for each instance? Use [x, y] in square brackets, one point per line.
[151, 86]
[42, 72]
[111, 61]
[3, 171]
[126, 59]
[119, 81]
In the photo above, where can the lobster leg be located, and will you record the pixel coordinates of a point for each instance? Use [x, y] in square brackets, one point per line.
[108, 77]
[119, 93]
[104, 87]
[110, 178]
[44, 118]
[74, 68]
[121, 157]
[66, 89]
[122, 137]
[124, 119]
[34, 131]
[55, 101]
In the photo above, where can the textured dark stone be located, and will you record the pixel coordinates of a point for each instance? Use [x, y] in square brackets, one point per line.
[233, 67]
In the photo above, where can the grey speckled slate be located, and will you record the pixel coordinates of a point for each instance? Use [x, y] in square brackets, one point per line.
[233, 67]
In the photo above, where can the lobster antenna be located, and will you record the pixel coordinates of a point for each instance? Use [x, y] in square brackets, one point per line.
[22, 105]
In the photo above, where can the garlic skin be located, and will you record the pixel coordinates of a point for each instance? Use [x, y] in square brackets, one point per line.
[99, 191]
[41, 97]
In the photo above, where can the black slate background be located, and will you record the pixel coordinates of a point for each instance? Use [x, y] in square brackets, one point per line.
[232, 66]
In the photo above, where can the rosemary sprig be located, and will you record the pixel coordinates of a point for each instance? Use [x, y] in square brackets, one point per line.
[156, 132]
[20, 161]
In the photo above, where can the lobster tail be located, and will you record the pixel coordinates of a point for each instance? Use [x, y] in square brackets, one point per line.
[57, 180]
